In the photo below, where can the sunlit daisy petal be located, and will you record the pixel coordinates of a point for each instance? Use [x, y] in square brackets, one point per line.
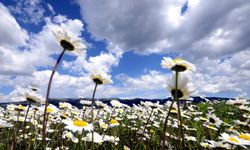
[97, 138]
[177, 64]
[78, 125]
[101, 77]
[184, 89]
[66, 41]
[233, 139]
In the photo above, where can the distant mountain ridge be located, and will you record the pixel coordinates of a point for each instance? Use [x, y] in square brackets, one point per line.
[130, 102]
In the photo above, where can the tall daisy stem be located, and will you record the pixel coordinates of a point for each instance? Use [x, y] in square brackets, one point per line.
[12, 147]
[24, 123]
[143, 132]
[176, 98]
[165, 126]
[92, 114]
[47, 96]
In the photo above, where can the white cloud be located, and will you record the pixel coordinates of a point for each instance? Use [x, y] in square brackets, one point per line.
[138, 25]
[102, 62]
[151, 80]
[12, 35]
[29, 11]
[228, 75]
[159, 27]
[51, 9]
[208, 34]
[66, 86]
[152, 84]
[149, 85]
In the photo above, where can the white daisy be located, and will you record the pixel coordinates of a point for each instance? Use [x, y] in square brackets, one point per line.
[113, 123]
[69, 135]
[233, 139]
[100, 77]
[238, 101]
[97, 138]
[51, 109]
[245, 136]
[31, 95]
[65, 105]
[116, 103]
[213, 119]
[86, 102]
[177, 64]
[243, 107]
[5, 124]
[101, 104]
[184, 89]
[78, 125]
[111, 139]
[190, 138]
[68, 43]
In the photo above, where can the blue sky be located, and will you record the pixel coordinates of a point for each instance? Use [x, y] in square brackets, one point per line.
[127, 40]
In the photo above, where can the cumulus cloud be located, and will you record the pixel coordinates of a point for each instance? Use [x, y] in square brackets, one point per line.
[137, 25]
[102, 62]
[63, 85]
[229, 75]
[29, 11]
[213, 35]
[159, 27]
[149, 85]
[12, 35]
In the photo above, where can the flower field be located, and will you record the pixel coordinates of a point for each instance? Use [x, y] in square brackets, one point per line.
[206, 125]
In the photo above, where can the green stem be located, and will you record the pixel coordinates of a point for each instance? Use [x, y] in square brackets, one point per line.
[47, 97]
[24, 123]
[137, 144]
[181, 137]
[12, 147]
[92, 115]
[165, 126]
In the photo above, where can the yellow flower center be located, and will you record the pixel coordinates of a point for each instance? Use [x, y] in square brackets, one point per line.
[80, 123]
[231, 128]
[233, 139]
[211, 127]
[74, 112]
[21, 119]
[21, 107]
[49, 110]
[104, 126]
[173, 111]
[244, 136]
[120, 110]
[113, 121]
[179, 67]
[206, 145]
[68, 135]
[176, 60]
[203, 119]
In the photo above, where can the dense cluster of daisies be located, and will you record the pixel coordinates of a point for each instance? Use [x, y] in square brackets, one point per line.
[177, 124]
[217, 124]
